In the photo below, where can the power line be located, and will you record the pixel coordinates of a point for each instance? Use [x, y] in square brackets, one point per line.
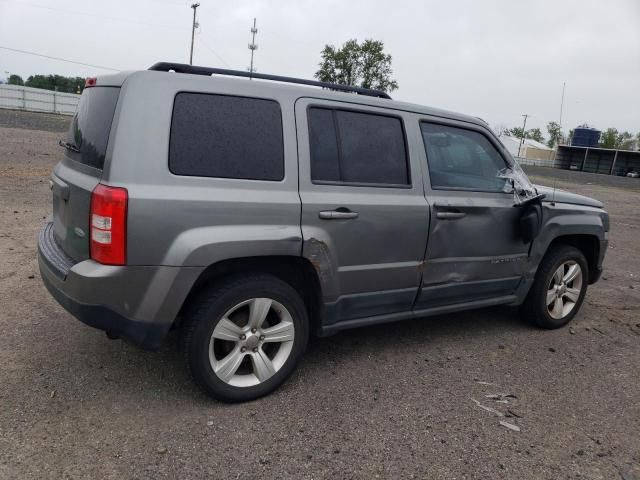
[212, 50]
[59, 59]
[102, 17]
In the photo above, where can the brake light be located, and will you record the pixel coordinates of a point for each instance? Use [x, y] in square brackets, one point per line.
[108, 237]
[90, 82]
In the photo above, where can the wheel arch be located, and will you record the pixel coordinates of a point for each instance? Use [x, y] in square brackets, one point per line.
[589, 246]
[296, 271]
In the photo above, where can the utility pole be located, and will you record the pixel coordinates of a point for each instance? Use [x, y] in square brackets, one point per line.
[562, 102]
[561, 108]
[524, 129]
[253, 46]
[193, 31]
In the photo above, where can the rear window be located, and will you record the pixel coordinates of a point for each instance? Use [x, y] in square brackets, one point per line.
[226, 137]
[90, 127]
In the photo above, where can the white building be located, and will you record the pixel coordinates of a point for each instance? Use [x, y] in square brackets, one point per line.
[536, 152]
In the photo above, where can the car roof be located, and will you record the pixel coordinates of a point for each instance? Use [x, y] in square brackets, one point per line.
[297, 90]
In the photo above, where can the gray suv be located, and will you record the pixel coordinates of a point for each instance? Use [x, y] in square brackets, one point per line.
[249, 215]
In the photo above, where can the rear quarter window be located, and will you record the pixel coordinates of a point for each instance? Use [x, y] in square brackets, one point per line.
[90, 127]
[226, 137]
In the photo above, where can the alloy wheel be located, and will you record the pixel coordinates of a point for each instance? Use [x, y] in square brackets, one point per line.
[564, 289]
[251, 342]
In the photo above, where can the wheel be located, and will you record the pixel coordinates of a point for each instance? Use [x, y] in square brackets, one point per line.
[245, 336]
[559, 288]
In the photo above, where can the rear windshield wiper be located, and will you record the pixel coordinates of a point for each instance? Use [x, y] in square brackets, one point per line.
[68, 146]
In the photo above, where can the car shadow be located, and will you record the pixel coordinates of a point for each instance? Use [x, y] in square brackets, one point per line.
[122, 371]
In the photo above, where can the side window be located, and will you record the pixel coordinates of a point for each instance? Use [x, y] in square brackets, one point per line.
[226, 137]
[461, 159]
[357, 148]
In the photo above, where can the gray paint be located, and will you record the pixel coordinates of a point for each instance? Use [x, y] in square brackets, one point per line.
[396, 260]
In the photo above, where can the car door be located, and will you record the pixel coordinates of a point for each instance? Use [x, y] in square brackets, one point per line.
[475, 251]
[364, 214]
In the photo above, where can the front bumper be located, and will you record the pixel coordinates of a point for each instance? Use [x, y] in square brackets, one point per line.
[602, 251]
[139, 303]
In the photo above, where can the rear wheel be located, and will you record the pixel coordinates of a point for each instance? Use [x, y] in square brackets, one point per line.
[244, 337]
[559, 288]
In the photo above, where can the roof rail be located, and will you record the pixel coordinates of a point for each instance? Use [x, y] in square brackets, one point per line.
[207, 71]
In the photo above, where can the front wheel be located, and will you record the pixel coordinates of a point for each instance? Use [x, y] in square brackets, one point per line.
[559, 288]
[245, 336]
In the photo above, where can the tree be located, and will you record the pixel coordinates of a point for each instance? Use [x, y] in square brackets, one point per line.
[362, 65]
[609, 138]
[535, 134]
[56, 82]
[625, 141]
[515, 132]
[555, 134]
[15, 80]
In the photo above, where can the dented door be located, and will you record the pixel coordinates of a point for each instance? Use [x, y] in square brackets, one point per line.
[475, 250]
[366, 240]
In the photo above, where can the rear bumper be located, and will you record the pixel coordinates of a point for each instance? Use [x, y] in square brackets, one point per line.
[144, 334]
[139, 303]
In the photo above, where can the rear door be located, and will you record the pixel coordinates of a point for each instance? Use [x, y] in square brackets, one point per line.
[75, 177]
[364, 213]
[475, 251]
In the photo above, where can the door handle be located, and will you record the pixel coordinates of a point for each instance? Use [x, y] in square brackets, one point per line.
[338, 214]
[450, 215]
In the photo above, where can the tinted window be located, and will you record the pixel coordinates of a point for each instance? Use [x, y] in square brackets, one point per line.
[324, 146]
[90, 127]
[355, 147]
[462, 159]
[227, 137]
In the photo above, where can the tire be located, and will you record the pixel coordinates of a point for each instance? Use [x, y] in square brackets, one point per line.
[546, 288]
[229, 360]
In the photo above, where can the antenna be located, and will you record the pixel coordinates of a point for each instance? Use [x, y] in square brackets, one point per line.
[253, 46]
[564, 84]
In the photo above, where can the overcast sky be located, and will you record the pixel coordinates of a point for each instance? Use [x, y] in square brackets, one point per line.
[496, 59]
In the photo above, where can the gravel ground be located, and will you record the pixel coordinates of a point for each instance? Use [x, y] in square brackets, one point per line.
[48, 122]
[394, 401]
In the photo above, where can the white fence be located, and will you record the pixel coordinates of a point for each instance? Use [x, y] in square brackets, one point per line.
[16, 97]
[536, 162]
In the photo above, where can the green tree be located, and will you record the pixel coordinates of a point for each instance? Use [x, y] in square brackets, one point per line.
[609, 138]
[625, 141]
[56, 82]
[515, 132]
[535, 134]
[361, 65]
[555, 134]
[15, 80]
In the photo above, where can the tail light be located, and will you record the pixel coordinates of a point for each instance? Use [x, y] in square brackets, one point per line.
[108, 237]
[90, 82]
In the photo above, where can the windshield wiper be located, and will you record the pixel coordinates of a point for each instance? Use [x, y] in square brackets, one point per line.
[68, 146]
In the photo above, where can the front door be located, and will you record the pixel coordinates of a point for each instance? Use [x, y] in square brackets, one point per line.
[475, 250]
[364, 214]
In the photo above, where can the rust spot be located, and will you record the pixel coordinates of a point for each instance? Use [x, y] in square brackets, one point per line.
[318, 255]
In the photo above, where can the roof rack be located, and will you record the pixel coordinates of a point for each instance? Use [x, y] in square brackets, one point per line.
[207, 71]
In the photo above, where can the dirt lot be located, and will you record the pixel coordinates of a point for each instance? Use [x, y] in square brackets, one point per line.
[393, 401]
